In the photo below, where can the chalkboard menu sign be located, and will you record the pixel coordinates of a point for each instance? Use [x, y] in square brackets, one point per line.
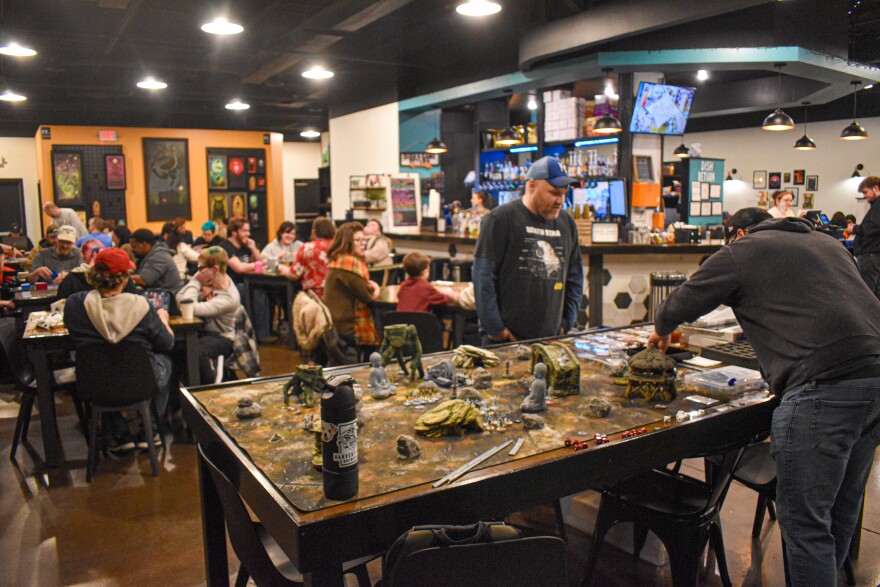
[404, 202]
[644, 168]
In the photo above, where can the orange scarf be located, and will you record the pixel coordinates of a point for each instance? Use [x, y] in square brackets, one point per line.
[364, 327]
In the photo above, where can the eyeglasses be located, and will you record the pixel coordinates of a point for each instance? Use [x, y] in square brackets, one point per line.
[358, 240]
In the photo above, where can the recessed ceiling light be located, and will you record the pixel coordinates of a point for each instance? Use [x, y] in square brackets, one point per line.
[237, 105]
[16, 50]
[221, 26]
[318, 72]
[702, 75]
[310, 134]
[478, 8]
[150, 83]
[8, 96]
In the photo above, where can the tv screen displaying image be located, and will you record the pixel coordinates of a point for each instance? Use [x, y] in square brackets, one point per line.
[608, 198]
[661, 109]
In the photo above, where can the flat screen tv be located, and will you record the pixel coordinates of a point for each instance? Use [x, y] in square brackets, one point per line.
[607, 197]
[661, 109]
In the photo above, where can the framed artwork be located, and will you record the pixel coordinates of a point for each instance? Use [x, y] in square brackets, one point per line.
[217, 172]
[166, 169]
[81, 214]
[795, 195]
[261, 183]
[67, 178]
[808, 201]
[237, 178]
[252, 183]
[253, 202]
[799, 175]
[218, 206]
[759, 180]
[251, 164]
[786, 177]
[261, 165]
[237, 205]
[114, 167]
[643, 167]
[774, 180]
[762, 200]
[812, 183]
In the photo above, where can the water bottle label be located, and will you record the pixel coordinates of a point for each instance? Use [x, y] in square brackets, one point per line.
[346, 442]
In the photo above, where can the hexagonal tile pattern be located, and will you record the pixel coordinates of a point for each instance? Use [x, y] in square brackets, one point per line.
[623, 300]
[638, 284]
[606, 277]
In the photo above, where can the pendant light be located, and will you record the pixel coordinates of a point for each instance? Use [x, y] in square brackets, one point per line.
[508, 137]
[778, 120]
[805, 143]
[855, 131]
[682, 152]
[436, 146]
[608, 124]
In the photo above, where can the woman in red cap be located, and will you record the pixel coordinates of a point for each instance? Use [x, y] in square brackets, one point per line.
[110, 315]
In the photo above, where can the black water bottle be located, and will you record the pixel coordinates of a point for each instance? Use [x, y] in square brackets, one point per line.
[339, 438]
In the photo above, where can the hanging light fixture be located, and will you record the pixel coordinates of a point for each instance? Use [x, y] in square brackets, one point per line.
[608, 124]
[778, 120]
[682, 152]
[508, 137]
[435, 145]
[855, 131]
[805, 143]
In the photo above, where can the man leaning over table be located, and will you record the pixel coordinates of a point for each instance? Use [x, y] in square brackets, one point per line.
[821, 355]
[53, 264]
[62, 216]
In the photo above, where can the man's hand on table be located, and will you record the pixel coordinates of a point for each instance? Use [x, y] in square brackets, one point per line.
[661, 342]
[60, 277]
[503, 336]
[39, 272]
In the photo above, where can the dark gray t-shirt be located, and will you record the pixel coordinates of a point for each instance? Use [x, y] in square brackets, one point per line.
[49, 258]
[533, 256]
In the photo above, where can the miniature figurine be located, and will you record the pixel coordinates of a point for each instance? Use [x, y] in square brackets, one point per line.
[452, 417]
[305, 384]
[535, 402]
[481, 378]
[408, 447]
[507, 368]
[469, 357]
[532, 422]
[380, 387]
[563, 369]
[442, 373]
[248, 409]
[401, 341]
[651, 372]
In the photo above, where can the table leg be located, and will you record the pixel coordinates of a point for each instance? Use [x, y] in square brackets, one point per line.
[457, 328]
[213, 530]
[191, 342]
[289, 295]
[46, 403]
[595, 282]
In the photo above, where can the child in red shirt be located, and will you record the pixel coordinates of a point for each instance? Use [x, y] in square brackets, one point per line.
[416, 294]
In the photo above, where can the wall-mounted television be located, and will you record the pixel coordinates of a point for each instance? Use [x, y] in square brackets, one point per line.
[607, 197]
[661, 109]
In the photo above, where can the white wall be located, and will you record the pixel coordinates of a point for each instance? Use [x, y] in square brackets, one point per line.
[365, 142]
[300, 161]
[21, 163]
[833, 161]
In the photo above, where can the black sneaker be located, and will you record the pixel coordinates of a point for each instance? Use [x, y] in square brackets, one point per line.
[142, 440]
[122, 444]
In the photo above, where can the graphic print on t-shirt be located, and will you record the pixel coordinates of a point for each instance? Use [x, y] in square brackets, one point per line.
[540, 259]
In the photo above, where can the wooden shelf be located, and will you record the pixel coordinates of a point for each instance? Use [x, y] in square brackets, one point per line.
[367, 209]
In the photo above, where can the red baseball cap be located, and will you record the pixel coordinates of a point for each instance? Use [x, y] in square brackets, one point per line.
[113, 260]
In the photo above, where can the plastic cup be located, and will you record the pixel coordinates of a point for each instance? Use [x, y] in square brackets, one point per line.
[41, 285]
[186, 310]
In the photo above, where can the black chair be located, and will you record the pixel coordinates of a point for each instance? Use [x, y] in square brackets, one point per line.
[684, 513]
[427, 324]
[260, 556]
[132, 389]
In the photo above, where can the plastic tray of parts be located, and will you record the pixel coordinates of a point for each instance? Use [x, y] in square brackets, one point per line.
[738, 353]
[726, 380]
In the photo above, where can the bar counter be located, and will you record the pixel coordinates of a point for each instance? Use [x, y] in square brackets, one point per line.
[617, 291]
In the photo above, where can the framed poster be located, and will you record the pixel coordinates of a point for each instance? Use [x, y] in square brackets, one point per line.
[762, 200]
[166, 170]
[419, 159]
[786, 177]
[237, 178]
[237, 205]
[774, 180]
[114, 167]
[217, 172]
[808, 201]
[759, 180]
[219, 208]
[67, 178]
[251, 164]
[798, 176]
[812, 183]
[643, 167]
[405, 202]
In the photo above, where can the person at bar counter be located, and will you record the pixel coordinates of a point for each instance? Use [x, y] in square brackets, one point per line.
[62, 216]
[528, 273]
[866, 246]
[52, 264]
[820, 355]
[244, 259]
[155, 264]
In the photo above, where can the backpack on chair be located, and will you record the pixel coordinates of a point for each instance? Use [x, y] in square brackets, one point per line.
[485, 553]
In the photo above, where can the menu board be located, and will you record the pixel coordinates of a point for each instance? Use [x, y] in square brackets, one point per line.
[704, 191]
[404, 202]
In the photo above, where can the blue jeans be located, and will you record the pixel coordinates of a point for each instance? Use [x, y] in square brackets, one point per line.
[262, 318]
[823, 439]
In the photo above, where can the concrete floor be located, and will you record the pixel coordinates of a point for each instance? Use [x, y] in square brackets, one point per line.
[128, 528]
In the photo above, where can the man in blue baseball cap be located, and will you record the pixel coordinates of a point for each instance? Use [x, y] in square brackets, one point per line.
[528, 273]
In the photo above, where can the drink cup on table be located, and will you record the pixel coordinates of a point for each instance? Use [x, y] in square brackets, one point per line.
[187, 309]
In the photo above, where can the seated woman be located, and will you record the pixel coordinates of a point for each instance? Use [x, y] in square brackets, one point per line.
[285, 245]
[109, 315]
[377, 250]
[216, 302]
[348, 290]
[310, 265]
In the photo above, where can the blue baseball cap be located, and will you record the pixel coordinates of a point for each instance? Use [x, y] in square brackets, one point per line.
[551, 170]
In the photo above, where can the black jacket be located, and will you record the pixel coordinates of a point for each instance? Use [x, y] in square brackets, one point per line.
[797, 294]
[867, 233]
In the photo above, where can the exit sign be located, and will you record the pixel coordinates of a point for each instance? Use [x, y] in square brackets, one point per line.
[107, 136]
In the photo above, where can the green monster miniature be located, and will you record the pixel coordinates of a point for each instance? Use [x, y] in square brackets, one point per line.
[401, 341]
[306, 384]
